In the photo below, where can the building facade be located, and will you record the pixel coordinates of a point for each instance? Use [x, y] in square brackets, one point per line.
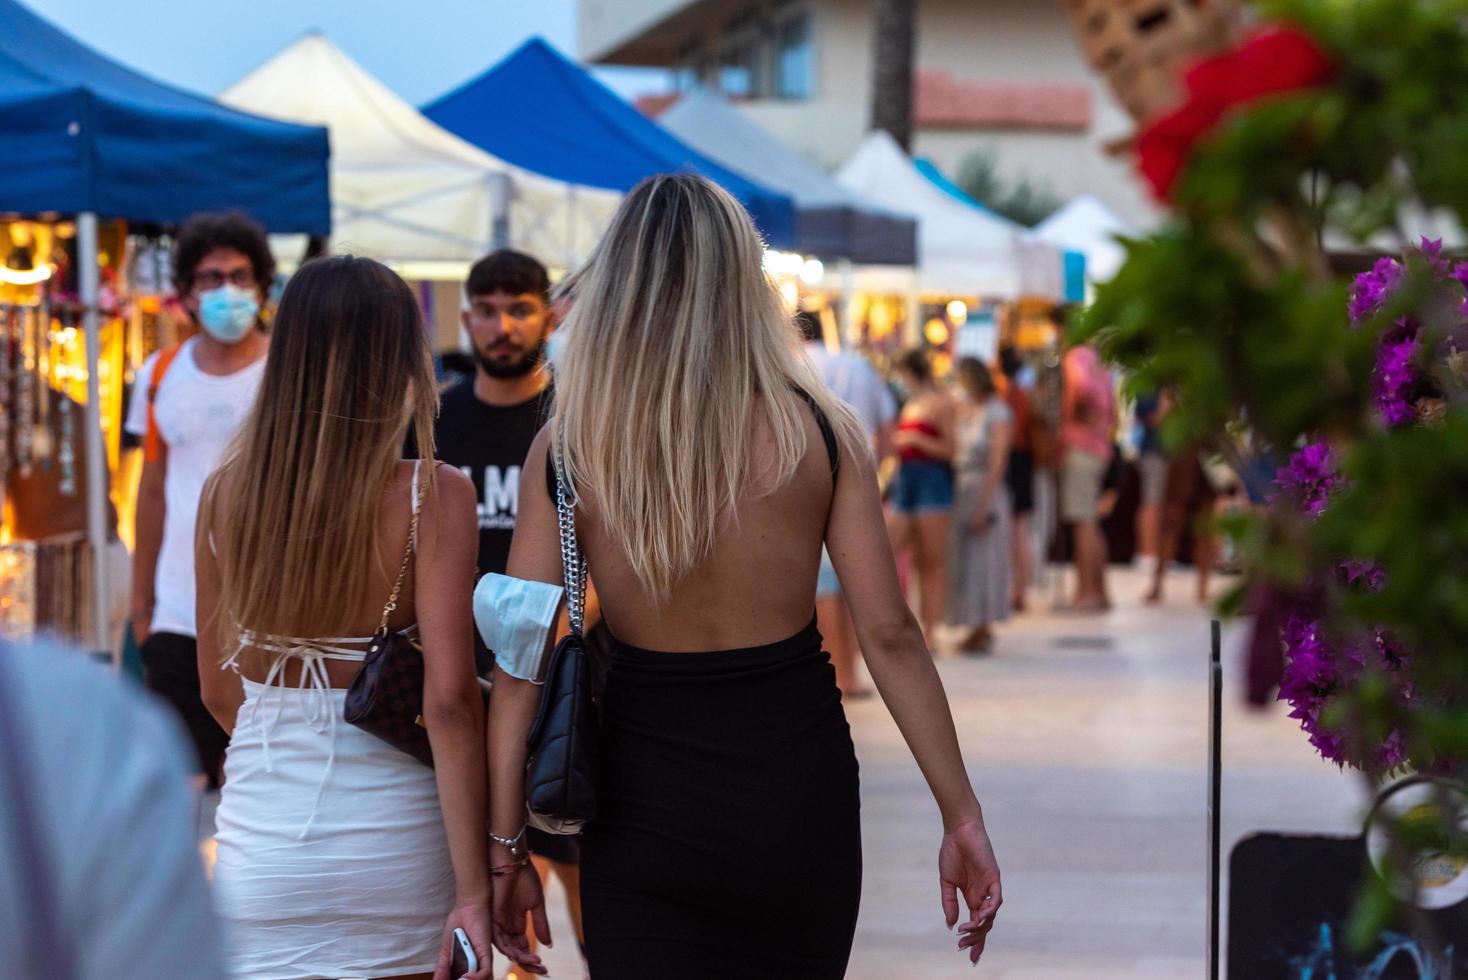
[1002, 79]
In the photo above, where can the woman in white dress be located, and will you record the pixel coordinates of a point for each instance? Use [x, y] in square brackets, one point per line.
[339, 855]
[979, 573]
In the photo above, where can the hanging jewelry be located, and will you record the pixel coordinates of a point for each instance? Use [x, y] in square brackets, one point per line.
[66, 454]
[25, 390]
[7, 315]
[43, 445]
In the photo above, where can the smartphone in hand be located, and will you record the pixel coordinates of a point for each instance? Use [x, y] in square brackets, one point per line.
[464, 960]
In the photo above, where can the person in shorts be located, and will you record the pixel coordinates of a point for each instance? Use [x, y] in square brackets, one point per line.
[920, 518]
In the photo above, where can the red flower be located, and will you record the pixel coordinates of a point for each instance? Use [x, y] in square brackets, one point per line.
[1282, 59]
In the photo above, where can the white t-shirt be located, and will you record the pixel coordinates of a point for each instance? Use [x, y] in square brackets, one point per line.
[853, 380]
[198, 414]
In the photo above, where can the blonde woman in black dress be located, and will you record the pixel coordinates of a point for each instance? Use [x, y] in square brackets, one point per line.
[710, 466]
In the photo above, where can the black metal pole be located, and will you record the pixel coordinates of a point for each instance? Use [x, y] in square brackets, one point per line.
[1215, 791]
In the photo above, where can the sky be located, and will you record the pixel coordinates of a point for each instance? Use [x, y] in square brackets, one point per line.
[418, 48]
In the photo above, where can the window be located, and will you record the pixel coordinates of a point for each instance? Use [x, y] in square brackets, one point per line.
[690, 68]
[794, 59]
[739, 70]
[685, 78]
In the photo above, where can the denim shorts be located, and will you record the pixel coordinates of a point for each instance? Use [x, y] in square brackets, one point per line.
[923, 487]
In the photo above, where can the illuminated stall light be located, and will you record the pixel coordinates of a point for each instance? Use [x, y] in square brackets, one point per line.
[957, 310]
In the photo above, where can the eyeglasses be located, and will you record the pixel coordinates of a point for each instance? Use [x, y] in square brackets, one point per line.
[213, 278]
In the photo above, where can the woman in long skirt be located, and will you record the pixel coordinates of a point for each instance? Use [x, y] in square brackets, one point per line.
[979, 574]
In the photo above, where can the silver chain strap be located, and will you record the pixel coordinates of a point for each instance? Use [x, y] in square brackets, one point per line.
[572, 559]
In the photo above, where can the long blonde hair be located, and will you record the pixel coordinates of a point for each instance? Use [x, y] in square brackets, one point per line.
[294, 510]
[677, 336]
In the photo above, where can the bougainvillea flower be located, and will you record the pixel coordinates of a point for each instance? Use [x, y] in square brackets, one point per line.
[1396, 381]
[1310, 477]
[1371, 288]
[1271, 62]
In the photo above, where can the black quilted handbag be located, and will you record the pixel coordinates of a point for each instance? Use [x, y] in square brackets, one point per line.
[386, 696]
[560, 784]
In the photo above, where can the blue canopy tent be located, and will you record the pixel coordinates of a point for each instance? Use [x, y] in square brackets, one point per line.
[80, 133]
[543, 112]
[83, 136]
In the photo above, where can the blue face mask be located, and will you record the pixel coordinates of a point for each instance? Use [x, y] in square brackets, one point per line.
[555, 347]
[228, 313]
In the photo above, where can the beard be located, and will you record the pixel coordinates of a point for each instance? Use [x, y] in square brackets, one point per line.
[517, 368]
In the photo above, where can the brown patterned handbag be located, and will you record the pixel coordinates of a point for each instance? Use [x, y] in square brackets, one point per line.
[386, 696]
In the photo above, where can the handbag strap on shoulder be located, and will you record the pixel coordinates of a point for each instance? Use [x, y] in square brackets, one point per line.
[408, 549]
[573, 561]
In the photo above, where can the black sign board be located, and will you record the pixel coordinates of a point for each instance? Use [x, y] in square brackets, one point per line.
[1290, 899]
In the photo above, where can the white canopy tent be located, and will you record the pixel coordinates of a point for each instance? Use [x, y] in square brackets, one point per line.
[962, 250]
[406, 191]
[1087, 226]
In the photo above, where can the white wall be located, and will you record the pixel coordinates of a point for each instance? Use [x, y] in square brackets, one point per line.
[973, 40]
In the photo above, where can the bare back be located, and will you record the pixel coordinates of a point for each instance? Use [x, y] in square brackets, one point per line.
[757, 586]
[395, 518]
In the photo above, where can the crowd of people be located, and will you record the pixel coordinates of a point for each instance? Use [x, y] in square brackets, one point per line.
[968, 456]
[315, 483]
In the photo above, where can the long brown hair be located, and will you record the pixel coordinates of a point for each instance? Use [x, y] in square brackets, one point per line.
[295, 506]
[676, 341]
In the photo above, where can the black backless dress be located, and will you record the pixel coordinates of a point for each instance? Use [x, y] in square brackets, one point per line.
[727, 842]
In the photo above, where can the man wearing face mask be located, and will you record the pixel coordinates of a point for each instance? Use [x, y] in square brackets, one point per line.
[188, 402]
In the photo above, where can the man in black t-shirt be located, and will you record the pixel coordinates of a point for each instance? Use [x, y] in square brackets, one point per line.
[488, 420]
[486, 423]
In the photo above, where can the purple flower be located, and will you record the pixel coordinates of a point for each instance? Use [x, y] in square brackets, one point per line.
[1310, 478]
[1396, 379]
[1364, 573]
[1393, 751]
[1460, 273]
[1432, 251]
[1372, 288]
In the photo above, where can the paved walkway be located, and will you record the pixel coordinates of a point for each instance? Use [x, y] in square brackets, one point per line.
[1087, 740]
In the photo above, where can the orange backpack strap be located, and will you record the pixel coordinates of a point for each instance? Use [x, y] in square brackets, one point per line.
[153, 439]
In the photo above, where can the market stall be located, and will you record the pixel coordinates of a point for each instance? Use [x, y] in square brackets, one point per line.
[408, 192]
[539, 110]
[93, 149]
[971, 263]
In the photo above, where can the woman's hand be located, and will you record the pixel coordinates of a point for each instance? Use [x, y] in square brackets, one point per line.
[982, 520]
[474, 919]
[966, 864]
[517, 897]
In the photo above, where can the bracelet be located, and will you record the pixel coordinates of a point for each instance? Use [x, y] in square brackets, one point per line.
[506, 870]
[516, 844]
